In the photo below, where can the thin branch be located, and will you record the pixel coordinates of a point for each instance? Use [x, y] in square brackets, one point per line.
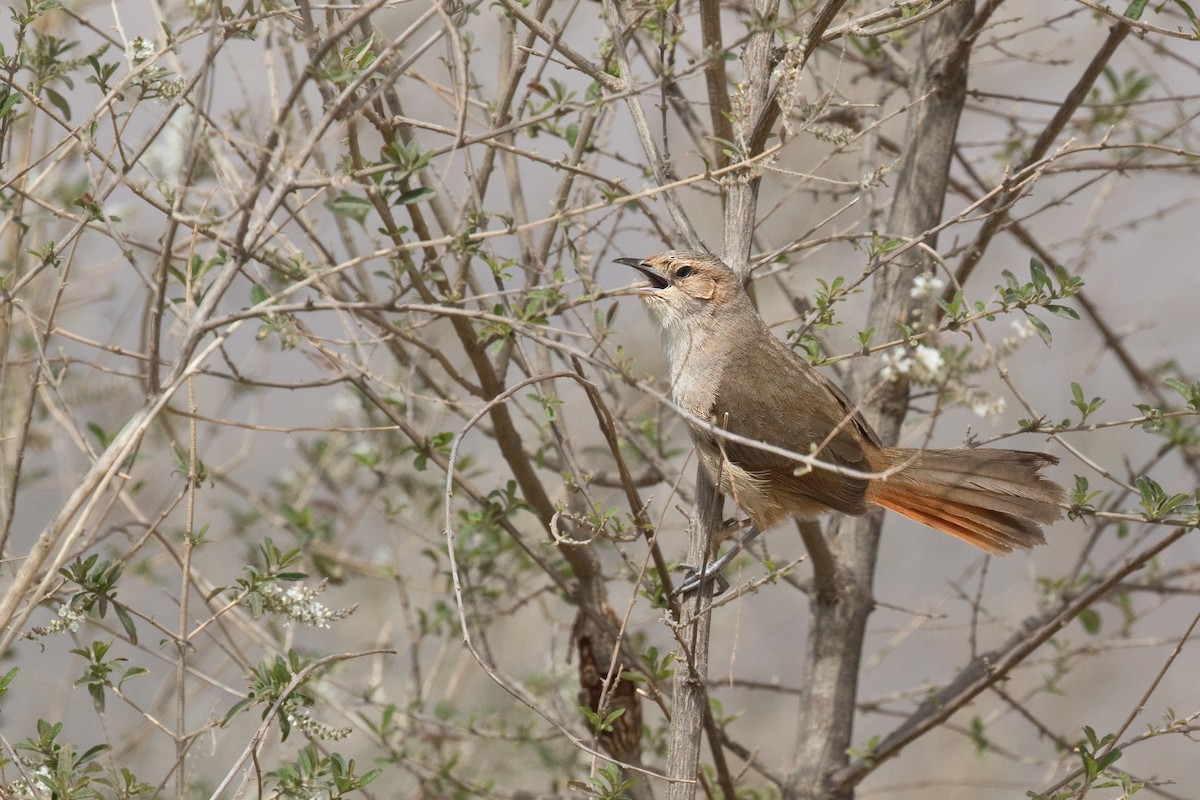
[987, 669]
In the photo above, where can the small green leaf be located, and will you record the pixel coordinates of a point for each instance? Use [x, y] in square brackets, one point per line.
[1086, 407]
[979, 736]
[413, 196]
[126, 622]
[8, 102]
[102, 436]
[1156, 503]
[347, 205]
[1040, 328]
[1109, 758]
[881, 245]
[1066, 312]
[1037, 272]
[59, 102]
[1189, 392]
[6, 679]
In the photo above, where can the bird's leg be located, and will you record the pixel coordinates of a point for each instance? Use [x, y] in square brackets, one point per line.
[696, 578]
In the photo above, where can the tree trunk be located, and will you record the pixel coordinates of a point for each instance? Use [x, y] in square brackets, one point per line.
[842, 603]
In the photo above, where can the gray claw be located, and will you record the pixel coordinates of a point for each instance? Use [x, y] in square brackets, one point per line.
[695, 579]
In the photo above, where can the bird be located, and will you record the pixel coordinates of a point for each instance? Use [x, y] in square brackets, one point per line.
[728, 372]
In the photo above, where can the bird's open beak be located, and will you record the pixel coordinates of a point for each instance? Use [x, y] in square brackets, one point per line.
[657, 281]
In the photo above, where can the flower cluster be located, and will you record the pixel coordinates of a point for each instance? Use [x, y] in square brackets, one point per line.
[67, 622]
[983, 404]
[924, 364]
[33, 786]
[927, 366]
[139, 49]
[925, 286]
[315, 729]
[300, 604]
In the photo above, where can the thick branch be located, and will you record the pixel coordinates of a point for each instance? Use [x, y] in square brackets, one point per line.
[689, 705]
[714, 75]
[741, 192]
[839, 616]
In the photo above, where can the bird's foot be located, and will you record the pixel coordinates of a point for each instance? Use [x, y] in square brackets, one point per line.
[695, 578]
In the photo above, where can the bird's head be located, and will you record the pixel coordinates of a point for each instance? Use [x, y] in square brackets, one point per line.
[686, 286]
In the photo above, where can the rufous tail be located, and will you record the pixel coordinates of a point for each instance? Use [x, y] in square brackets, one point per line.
[997, 500]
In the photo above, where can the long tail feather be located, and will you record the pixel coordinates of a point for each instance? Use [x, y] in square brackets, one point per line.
[995, 499]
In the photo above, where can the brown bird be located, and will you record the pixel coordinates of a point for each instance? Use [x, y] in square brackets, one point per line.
[728, 370]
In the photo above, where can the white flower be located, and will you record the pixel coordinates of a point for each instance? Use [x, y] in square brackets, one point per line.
[930, 359]
[924, 363]
[926, 285]
[895, 363]
[300, 604]
[985, 406]
[139, 49]
[69, 618]
[1023, 328]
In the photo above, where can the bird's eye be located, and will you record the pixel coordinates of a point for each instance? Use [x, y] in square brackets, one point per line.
[683, 272]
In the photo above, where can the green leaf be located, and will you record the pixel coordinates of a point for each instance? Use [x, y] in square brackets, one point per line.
[369, 776]
[1135, 9]
[413, 196]
[1066, 312]
[1109, 758]
[607, 724]
[348, 205]
[1090, 620]
[1090, 767]
[1086, 407]
[126, 622]
[1157, 504]
[258, 293]
[6, 679]
[8, 102]
[979, 736]
[1040, 328]
[1037, 272]
[102, 436]
[1189, 392]
[58, 101]
[90, 754]
[882, 245]
[238, 707]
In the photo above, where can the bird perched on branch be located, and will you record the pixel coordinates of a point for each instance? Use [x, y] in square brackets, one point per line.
[734, 377]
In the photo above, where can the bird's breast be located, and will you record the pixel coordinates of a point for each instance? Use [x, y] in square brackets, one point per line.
[697, 367]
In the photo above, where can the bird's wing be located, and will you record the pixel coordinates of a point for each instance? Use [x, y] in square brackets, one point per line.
[790, 405]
